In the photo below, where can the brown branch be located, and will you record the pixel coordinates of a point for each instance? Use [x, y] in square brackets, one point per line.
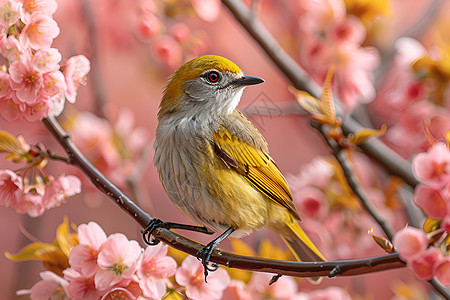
[393, 162]
[298, 269]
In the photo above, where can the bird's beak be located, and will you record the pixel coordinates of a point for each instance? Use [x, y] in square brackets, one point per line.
[247, 80]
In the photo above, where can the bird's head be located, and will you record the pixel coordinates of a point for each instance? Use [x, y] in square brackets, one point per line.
[209, 86]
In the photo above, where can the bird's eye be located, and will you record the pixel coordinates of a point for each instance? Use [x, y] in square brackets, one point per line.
[213, 76]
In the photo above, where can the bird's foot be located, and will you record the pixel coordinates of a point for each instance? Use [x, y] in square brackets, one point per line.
[147, 232]
[155, 223]
[204, 255]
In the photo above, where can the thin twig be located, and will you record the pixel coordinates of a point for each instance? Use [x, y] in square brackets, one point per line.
[298, 269]
[342, 157]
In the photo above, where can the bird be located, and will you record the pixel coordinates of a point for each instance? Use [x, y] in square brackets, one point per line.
[215, 165]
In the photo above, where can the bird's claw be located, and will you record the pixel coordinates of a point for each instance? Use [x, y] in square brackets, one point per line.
[147, 232]
[204, 255]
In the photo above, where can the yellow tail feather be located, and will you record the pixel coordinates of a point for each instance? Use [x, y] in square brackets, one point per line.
[298, 242]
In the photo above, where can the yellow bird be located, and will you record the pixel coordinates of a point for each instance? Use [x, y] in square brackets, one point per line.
[215, 165]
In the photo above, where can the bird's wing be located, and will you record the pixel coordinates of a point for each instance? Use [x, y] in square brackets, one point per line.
[254, 164]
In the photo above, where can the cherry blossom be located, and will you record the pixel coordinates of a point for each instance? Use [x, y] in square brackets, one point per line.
[46, 7]
[39, 32]
[51, 286]
[117, 260]
[153, 269]
[424, 266]
[434, 202]
[410, 242]
[11, 188]
[168, 51]
[442, 271]
[75, 72]
[433, 167]
[46, 60]
[190, 275]
[284, 288]
[26, 81]
[311, 202]
[81, 286]
[83, 257]
[9, 12]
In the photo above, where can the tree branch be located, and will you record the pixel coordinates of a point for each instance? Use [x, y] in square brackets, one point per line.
[298, 269]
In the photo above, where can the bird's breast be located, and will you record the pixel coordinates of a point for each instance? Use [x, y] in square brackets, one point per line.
[203, 187]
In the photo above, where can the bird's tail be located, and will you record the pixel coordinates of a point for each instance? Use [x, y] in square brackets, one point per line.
[297, 241]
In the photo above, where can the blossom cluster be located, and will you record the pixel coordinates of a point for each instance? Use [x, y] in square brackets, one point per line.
[412, 92]
[423, 253]
[113, 144]
[34, 198]
[30, 189]
[109, 267]
[172, 41]
[332, 215]
[330, 36]
[32, 82]
[103, 267]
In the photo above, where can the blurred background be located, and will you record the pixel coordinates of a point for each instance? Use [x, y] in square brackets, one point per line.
[134, 46]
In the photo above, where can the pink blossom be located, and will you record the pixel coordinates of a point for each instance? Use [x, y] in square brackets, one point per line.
[329, 293]
[81, 287]
[311, 202]
[33, 113]
[9, 12]
[83, 257]
[39, 32]
[207, 10]
[442, 271]
[11, 188]
[47, 7]
[433, 167]
[31, 202]
[117, 260]
[410, 243]
[50, 287]
[53, 83]
[284, 288]
[126, 289]
[5, 88]
[10, 47]
[148, 26]
[424, 265]
[180, 32]
[433, 201]
[9, 110]
[167, 50]
[75, 72]
[190, 275]
[446, 222]
[237, 290]
[26, 81]
[348, 30]
[330, 37]
[46, 60]
[153, 269]
[59, 189]
[316, 173]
